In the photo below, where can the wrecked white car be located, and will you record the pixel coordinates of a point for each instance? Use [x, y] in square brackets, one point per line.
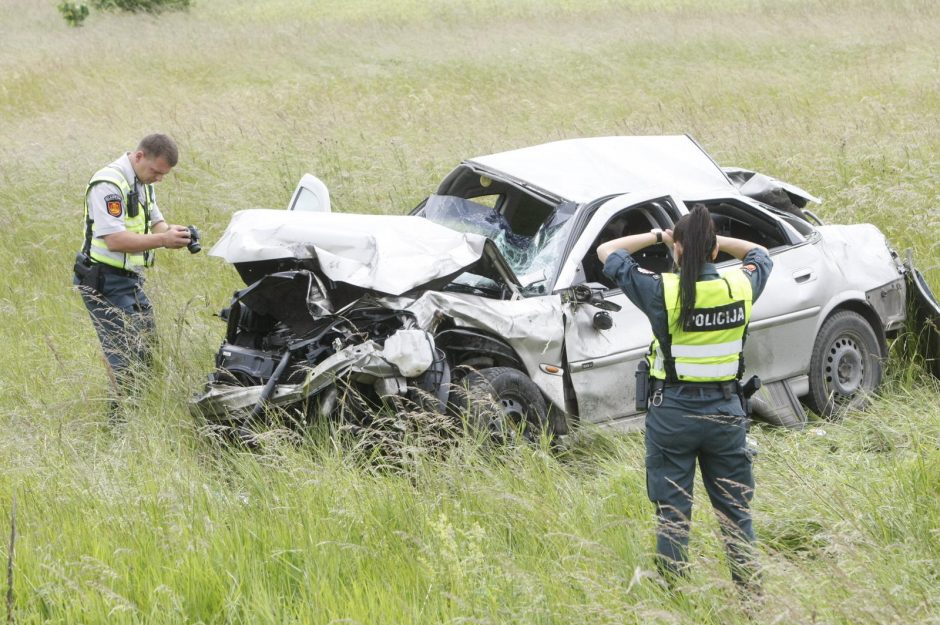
[493, 282]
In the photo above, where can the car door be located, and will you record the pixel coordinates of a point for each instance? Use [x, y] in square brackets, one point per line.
[784, 319]
[311, 195]
[601, 360]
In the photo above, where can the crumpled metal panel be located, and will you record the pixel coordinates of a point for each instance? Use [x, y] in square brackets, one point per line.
[862, 255]
[296, 298]
[225, 400]
[235, 401]
[366, 358]
[533, 327]
[387, 253]
[889, 301]
[761, 187]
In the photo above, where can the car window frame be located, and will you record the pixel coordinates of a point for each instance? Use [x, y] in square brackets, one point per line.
[602, 212]
[796, 238]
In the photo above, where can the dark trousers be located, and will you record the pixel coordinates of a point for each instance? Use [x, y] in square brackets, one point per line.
[675, 439]
[124, 321]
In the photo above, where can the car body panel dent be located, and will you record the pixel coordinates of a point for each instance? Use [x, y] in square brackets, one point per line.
[875, 266]
[387, 253]
[763, 187]
[532, 327]
[889, 302]
[871, 272]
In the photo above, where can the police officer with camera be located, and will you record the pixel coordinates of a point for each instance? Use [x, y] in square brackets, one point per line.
[123, 226]
[697, 406]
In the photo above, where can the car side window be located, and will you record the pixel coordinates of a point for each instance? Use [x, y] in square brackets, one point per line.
[742, 221]
[634, 220]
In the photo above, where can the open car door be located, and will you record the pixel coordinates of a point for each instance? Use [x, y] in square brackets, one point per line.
[311, 195]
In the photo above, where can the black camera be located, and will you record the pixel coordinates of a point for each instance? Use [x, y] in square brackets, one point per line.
[193, 246]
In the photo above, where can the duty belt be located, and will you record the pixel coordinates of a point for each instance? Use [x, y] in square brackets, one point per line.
[118, 271]
[729, 388]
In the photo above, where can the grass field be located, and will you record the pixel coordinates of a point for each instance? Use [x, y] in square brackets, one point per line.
[155, 523]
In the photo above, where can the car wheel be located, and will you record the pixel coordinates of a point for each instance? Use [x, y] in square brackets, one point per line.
[503, 402]
[845, 367]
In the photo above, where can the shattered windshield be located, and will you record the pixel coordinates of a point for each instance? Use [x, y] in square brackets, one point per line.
[534, 259]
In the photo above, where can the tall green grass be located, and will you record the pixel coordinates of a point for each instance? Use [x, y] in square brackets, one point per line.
[157, 523]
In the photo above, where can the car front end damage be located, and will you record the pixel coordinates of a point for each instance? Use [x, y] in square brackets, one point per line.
[284, 348]
[317, 346]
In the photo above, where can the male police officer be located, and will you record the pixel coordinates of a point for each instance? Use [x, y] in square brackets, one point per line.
[123, 225]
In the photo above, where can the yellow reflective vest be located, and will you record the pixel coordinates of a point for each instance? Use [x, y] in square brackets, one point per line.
[139, 223]
[709, 347]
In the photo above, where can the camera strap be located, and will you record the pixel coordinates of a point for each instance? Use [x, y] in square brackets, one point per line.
[149, 256]
[133, 209]
[89, 224]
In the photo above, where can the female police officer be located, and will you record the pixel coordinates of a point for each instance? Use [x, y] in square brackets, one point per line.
[699, 319]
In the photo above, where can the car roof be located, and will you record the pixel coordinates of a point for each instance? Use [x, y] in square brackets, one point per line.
[581, 170]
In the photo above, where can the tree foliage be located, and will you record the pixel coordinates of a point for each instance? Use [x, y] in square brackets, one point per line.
[142, 6]
[74, 13]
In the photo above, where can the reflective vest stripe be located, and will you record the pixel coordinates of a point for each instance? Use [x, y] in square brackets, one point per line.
[703, 351]
[698, 371]
[139, 224]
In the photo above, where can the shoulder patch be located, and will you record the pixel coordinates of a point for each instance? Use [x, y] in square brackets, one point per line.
[647, 272]
[749, 268]
[114, 205]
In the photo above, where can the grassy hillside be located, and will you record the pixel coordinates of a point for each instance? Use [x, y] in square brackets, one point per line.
[155, 523]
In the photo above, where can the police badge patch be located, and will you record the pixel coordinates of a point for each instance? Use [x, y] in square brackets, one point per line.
[114, 205]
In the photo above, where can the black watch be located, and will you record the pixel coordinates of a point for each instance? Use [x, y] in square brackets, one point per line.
[659, 234]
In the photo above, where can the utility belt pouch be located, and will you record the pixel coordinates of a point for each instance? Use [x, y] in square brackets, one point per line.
[747, 390]
[87, 271]
[642, 385]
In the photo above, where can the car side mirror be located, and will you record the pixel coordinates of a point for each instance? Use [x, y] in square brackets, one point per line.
[585, 294]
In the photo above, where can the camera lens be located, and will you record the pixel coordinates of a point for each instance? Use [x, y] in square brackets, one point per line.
[193, 246]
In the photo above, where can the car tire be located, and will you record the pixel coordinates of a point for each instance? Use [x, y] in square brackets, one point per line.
[503, 402]
[845, 368]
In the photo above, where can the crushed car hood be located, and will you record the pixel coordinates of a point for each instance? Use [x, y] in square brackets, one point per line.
[581, 170]
[387, 253]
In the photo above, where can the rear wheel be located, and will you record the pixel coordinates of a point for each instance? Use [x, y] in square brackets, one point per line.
[845, 368]
[503, 402]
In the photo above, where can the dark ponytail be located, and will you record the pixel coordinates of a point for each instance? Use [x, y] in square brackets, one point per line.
[696, 233]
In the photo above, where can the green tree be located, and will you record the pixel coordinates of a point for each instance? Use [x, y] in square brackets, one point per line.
[142, 6]
[74, 13]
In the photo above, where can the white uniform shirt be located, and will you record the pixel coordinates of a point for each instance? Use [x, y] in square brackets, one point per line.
[103, 192]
